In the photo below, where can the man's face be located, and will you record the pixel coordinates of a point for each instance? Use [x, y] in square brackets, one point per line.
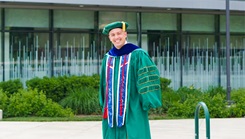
[118, 37]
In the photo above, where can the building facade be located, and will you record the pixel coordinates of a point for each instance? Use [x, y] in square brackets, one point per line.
[186, 40]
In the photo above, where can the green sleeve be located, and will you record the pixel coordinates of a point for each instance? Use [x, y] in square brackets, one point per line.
[148, 82]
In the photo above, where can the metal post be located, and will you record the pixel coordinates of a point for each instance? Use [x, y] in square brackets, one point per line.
[139, 29]
[199, 105]
[228, 50]
[1, 114]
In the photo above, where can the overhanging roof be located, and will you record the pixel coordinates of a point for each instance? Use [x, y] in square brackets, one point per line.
[237, 5]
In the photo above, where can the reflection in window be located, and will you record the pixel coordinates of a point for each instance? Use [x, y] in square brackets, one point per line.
[161, 43]
[197, 22]
[0, 18]
[159, 21]
[28, 55]
[74, 19]
[27, 18]
[74, 55]
[237, 60]
[1, 60]
[165, 52]
[237, 23]
[200, 61]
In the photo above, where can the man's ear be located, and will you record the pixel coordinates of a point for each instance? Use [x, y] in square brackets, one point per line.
[126, 34]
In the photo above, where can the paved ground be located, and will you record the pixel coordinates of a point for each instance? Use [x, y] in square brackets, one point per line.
[160, 129]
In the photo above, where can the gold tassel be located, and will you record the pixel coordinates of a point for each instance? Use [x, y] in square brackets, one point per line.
[123, 26]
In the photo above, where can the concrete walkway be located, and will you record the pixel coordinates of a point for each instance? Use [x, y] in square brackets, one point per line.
[233, 128]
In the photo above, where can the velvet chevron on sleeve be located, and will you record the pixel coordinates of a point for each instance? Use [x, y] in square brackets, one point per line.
[148, 83]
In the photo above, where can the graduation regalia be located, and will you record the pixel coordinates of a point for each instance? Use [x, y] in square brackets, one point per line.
[129, 87]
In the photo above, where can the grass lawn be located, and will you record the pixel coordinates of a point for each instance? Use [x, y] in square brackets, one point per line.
[75, 118]
[49, 119]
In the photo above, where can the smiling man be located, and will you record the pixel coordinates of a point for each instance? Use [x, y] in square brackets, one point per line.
[129, 87]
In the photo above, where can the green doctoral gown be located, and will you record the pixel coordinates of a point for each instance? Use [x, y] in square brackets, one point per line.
[143, 93]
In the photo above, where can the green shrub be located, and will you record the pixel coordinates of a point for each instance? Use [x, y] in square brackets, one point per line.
[212, 91]
[237, 109]
[168, 97]
[164, 83]
[3, 100]
[11, 86]
[33, 103]
[53, 109]
[185, 107]
[57, 88]
[84, 81]
[217, 105]
[83, 101]
[184, 92]
[177, 110]
[51, 87]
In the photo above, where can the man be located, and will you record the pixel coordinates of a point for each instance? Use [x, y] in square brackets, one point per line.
[129, 87]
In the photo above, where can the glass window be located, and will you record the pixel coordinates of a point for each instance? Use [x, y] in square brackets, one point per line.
[165, 52]
[74, 54]
[108, 17]
[237, 44]
[200, 61]
[1, 66]
[0, 18]
[132, 38]
[237, 60]
[198, 22]
[159, 21]
[72, 39]
[26, 55]
[237, 23]
[74, 19]
[198, 41]
[1, 70]
[159, 43]
[27, 18]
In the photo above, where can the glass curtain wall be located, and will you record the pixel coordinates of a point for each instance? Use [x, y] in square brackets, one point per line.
[160, 39]
[200, 51]
[237, 50]
[1, 48]
[74, 48]
[26, 48]
[189, 49]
